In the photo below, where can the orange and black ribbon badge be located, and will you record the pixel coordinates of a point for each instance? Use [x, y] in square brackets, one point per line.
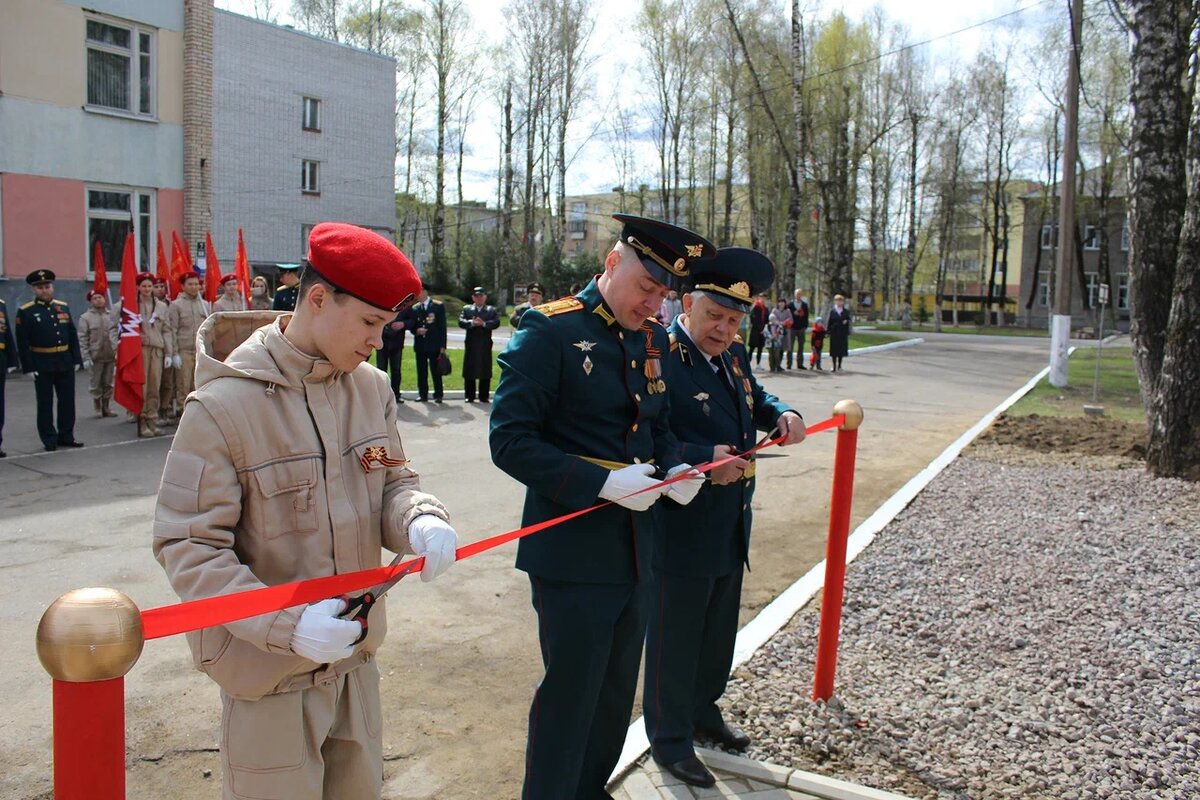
[379, 455]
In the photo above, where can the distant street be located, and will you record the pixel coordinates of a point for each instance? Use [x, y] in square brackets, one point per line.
[461, 659]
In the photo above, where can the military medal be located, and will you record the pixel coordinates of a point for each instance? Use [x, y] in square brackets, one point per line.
[587, 365]
[586, 347]
[653, 368]
[749, 396]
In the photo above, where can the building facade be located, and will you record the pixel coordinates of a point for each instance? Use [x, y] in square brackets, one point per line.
[1040, 256]
[91, 136]
[303, 131]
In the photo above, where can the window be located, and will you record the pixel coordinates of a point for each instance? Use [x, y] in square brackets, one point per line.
[1123, 292]
[120, 67]
[1091, 237]
[312, 114]
[1043, 294]
[1093, 288]
[1125, 235]
[111, 215]
[308, 177]
[1049, 236]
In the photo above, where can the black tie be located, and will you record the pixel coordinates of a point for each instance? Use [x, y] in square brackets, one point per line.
[724, 376]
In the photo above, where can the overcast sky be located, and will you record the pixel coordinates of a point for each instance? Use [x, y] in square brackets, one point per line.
[617, 69]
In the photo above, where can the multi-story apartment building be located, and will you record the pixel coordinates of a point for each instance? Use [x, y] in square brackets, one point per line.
[303, 131]
[1040, 251]
[91, 135]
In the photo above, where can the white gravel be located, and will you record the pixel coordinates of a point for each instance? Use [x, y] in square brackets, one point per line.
[1019, 631]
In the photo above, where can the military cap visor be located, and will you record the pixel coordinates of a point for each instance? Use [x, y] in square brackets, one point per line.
[478, 290]
[40, 276]
[667, 251]
[287, 267]
[734, 277]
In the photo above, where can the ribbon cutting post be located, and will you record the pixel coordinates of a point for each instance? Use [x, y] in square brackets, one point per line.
[88, 639]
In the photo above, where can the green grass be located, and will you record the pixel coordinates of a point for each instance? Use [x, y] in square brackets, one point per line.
[991, 330]
[868, 339]
[1118, 393]
[451, 382]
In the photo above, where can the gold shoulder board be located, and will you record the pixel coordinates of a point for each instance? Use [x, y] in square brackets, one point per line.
[562, 306]
[27, 305]
[737, 337]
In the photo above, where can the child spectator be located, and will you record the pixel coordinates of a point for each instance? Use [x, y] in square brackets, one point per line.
[817, 342]
[779, 329]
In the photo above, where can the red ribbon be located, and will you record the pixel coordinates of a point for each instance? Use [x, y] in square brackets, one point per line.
[223, 609]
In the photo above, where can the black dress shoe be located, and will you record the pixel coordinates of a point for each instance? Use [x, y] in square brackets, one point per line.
[728, 737]
[69, 443]
[50, 448]
[690, 771]
[3, 454]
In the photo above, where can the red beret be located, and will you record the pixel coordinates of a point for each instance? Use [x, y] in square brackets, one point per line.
[187, 275]
[145, 276]
[362, 264]
[232, 276]
[90, 294]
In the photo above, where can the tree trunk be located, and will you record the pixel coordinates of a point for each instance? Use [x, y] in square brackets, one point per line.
[911, 253]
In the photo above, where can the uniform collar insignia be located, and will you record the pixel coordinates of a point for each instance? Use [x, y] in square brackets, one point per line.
[601, 310]
[701, 396]
[585, 345]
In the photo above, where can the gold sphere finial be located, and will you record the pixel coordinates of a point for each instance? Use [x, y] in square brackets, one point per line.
[90, 635]
[852, 411]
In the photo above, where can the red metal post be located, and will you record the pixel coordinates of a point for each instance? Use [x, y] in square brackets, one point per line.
[835, 556]
[89, 740]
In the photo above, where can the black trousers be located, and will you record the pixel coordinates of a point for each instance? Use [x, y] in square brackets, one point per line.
[388, 360]
[3, 377]
[469, 384]
[591, 637]
[47, 386]
[425, 368]
[798, 338]
[689, 650]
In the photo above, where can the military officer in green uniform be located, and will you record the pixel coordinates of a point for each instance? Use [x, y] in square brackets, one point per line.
[49, 348]
[289, 279]
[8, 362]
[581, 416]
[716, 406]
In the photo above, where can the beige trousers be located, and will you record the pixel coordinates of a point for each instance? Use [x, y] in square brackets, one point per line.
[166, 390]
[185, 378]
[101, 385]
[152, 358]
[323, 743]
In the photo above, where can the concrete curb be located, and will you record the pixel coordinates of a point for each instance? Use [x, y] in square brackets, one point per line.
[780, 610]
[795, 779]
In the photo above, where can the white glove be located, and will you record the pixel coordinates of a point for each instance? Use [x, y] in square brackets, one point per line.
[11, 370]
[166, 362]
[87, 363]
[685, 491]
[624, 481]
[33, 374]
[321, 637]
[177, 360]
[432, 537]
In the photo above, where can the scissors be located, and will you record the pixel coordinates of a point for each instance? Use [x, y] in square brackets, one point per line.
[358, 608]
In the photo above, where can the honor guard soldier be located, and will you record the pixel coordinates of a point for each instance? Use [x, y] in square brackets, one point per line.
[533, 297]
[288, 465]
[289, 280]
[49, 348]
[716, 405]
[581, 416]
[479, 319]
[8, 362]
[428, 324]
[184, 317]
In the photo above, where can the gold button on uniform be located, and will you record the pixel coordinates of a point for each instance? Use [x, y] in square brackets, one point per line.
[634, 428]
[637, 460]
[633, 364]
[637, 397]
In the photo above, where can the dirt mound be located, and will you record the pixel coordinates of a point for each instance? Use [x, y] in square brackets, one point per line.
[1088, 436]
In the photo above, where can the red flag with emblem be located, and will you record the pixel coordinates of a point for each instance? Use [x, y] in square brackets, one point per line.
[131, 372]
[100, 282]
[242, 268]
[179, 261]
[161, 268]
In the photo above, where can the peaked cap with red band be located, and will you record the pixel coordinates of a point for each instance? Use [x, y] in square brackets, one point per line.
[362, 264]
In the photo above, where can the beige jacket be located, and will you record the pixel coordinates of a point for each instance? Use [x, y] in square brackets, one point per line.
[156, 330]
[225, 303]
[264, 484]
[98, 334]
[184, 317]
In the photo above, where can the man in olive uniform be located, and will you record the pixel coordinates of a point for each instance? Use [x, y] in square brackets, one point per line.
[167, 413]
[716, 405]
[533, 297]
[429, 341]
[8, 363]
[581, 415]
[289, 279]
[479, 319]
[49, 348]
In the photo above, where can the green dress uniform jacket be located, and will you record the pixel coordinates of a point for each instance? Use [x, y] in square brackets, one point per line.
[711, 535]
[574, 385]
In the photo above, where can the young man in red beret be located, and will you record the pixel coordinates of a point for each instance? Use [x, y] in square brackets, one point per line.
[98, 338]
[185, 316]
[287, 466]
[231, 298]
